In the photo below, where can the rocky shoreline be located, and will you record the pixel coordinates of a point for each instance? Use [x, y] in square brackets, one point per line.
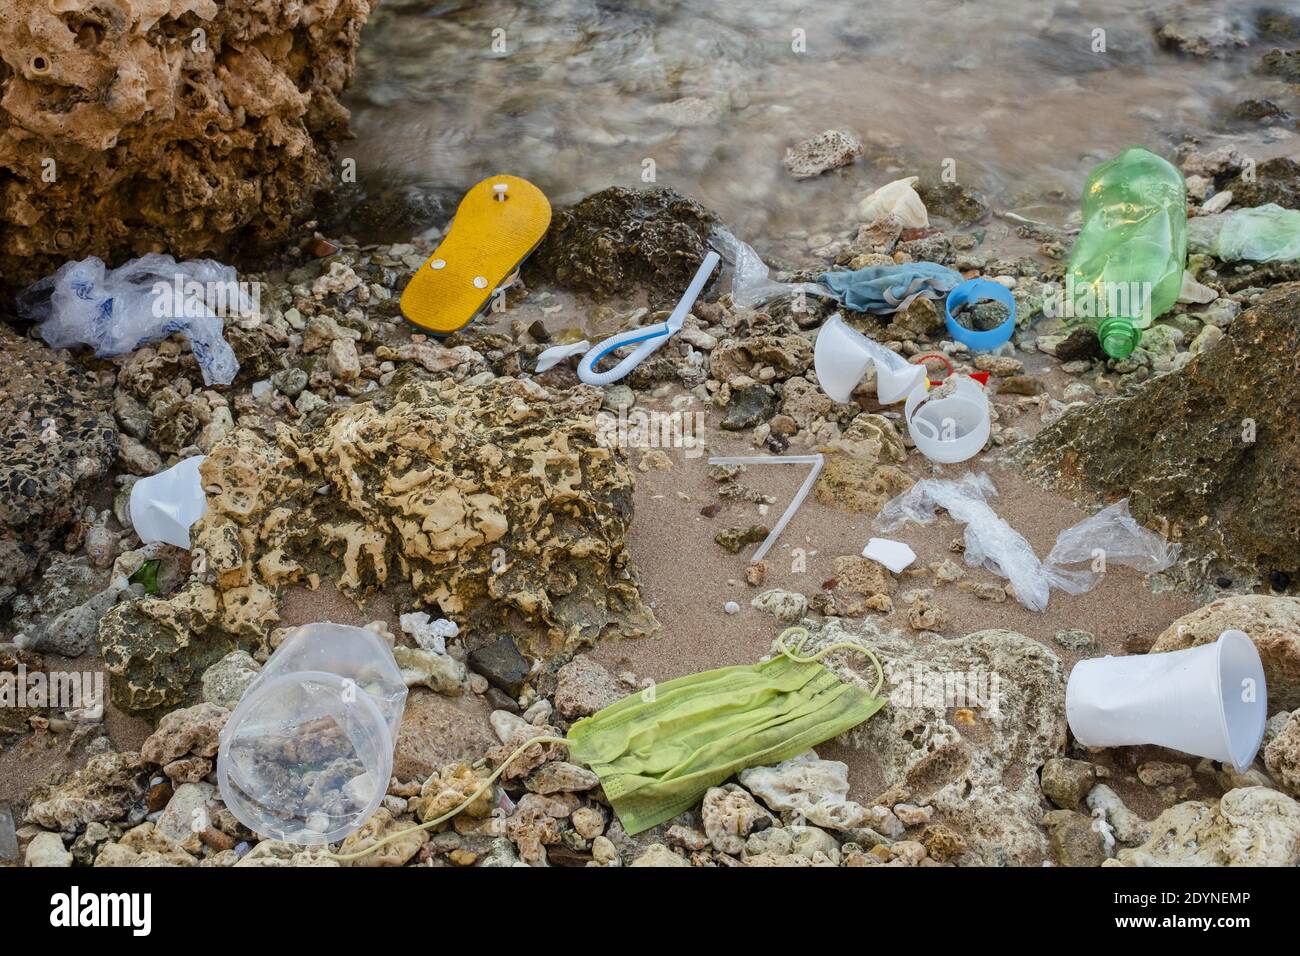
[358, 468]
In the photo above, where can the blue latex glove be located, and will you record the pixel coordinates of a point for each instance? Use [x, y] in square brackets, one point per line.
[890, 288]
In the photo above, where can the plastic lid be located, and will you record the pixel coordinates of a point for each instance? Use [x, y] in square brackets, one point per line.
[979, 290]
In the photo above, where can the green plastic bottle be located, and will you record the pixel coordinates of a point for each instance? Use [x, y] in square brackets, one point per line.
[1127, 265]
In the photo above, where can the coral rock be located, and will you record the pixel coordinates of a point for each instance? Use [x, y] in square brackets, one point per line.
[1222, 483]
[198, 127]
[496, 504]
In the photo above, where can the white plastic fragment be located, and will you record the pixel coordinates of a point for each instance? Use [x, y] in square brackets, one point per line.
[898, 199]
[558, 353]
[164, 506]
[815, 460]
[751, 282]
[894, 555]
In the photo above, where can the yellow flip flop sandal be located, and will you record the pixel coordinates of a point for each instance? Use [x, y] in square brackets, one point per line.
[498, 223]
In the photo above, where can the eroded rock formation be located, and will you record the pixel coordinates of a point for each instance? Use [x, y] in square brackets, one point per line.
[57, 440]
[1207, 455]
[188, 126]
[496, 505]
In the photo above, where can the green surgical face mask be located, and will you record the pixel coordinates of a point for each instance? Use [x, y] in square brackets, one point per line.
[657, 752]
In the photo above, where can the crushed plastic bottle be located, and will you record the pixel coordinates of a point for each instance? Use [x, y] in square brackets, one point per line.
[1267, 233]
[144, 300]
[1126, 268]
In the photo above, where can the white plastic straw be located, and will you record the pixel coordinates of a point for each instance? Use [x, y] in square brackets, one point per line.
[815, 460]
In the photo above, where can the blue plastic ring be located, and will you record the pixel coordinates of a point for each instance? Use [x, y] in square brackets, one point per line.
[976, 290]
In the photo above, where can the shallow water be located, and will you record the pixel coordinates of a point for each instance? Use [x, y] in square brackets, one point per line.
[578, 95]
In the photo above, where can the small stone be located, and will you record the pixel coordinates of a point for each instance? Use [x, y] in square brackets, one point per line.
[344, 363]
[786, 606]
[1066, 782]
[734, 540]
[1074, 839]
[502, 664]
[47, 850]
[1072, 639]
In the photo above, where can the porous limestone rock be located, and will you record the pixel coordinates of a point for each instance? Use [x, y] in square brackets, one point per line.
[730, 815]
[496, 504]
[818, 154]
[968, 725]
[791, 846]
[583, 687]
[1282, 755]
[1207, 455]
[861, 471]
[379, 827]
[1273, 623]
[1250, 826]
[815, 789]
[47, 850]
[144, 845]
[106, 788]
[193, 126]
[656, 854]
[617, 240]
[58, 440]
[189, 730]
[224, 682]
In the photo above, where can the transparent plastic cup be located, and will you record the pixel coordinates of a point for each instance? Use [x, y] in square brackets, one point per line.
[307, 754]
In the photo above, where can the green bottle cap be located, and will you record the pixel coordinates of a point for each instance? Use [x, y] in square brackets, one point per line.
[1118, 337]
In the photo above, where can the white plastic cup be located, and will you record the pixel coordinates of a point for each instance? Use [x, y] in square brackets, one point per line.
[307, 754]
[1209, 701]
[949, 429]
[842, 356]
[165, 506]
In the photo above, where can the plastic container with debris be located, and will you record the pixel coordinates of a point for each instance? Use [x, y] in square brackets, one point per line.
[307, 754]
[1126, 268]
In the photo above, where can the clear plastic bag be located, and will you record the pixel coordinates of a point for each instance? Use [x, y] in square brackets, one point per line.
[1111, 534]
[990, 541]
[1267, 233]
[751, 284]
[144, 300]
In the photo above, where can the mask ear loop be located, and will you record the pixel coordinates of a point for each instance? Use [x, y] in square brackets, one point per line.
[794, 653]
[347, 857]
[491, 779]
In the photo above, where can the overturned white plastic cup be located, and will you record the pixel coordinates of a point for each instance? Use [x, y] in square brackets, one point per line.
[842, 356]
[1210, 701]
[165, 506]
[952, 428]
[306, 756]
